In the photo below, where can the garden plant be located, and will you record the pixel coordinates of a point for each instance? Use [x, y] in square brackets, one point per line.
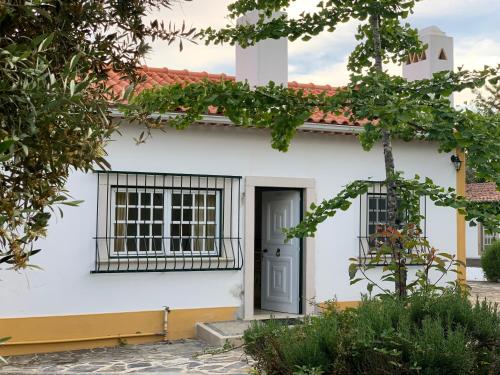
[490, 262]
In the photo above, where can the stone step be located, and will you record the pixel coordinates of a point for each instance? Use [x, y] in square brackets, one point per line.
[230, 332]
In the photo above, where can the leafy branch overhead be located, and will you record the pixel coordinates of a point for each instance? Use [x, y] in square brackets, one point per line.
[409, 110]
[54, 97]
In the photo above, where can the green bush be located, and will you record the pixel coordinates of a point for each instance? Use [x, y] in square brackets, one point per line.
[490, 261]
[423, 335]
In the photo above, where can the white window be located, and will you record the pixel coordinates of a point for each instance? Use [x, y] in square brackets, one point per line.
[164, 221]
[377, 212]
[487, 238]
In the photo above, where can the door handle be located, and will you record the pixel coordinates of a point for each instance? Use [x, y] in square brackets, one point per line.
[264, 250]
[278, 252]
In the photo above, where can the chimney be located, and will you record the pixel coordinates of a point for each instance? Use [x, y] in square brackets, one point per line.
[437, 57]
[265, 61]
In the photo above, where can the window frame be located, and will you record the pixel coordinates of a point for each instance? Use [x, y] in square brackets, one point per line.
[166, 248]
[368, 247]
[482, 237]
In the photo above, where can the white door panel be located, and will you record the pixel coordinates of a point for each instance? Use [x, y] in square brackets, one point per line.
[281, 261]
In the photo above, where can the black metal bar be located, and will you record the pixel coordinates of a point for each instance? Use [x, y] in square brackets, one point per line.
[168, 174]
[119, 229]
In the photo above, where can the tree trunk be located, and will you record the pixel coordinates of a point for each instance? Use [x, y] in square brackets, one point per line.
[401, 274]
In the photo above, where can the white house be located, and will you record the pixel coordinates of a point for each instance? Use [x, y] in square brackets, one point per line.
[477, 236]
[187, 227]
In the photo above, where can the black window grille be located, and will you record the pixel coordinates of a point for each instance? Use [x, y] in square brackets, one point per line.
[373, 219]
[164, 222]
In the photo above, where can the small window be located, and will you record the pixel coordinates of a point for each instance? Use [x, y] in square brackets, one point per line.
[487, 238]
[374, 218]
[442, 55]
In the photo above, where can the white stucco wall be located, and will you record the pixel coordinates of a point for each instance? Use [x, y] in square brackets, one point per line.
[65, 285]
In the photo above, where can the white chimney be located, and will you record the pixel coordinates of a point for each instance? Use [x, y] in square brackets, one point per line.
[437, 57]
[266, 61]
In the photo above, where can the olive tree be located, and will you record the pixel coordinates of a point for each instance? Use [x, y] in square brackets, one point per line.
[54, 62]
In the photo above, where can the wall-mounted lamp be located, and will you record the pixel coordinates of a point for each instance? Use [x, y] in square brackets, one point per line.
[456, 162]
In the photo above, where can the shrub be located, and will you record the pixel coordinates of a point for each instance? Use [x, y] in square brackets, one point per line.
[425, 334]
[490, 261]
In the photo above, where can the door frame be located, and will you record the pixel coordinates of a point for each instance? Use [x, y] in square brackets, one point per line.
[308, 287]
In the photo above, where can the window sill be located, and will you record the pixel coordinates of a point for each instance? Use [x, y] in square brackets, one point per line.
[170, 264]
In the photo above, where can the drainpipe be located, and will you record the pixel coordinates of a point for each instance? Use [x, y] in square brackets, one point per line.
[166, 310]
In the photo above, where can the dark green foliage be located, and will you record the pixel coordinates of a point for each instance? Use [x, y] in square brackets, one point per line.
[490, 261]
[54, 62]
[425, 334]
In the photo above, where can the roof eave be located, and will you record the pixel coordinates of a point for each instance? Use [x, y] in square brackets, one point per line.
[223, 120]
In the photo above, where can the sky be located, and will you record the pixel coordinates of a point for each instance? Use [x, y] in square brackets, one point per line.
[474, 25]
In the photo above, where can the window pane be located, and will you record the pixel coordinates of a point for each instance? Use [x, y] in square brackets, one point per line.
[186, 244]
[210, 230]
[133, 199]
[119, 230]
[186, 230]
[211, 215]
[198, 230]
[131, 230]
[145, 214]
[209, 244]
[132, 213]
[121, 198]
[372, 203]
[120, 213]
[175, 244]
[176, 199]
[146, 199]
[144, 229]
[187, 214]
[382, 216]
[119, 244]
[131, 245]
[371, 229]
[372, 216]
[198, 244]
[199, 215]
[158, 214]
[382, 204]
[188, 200]
[157, 244]
[144, 244]
[175, 229]
[211, 200]
[200, 200]
[176, 214]
[158, 199]
[157, 230]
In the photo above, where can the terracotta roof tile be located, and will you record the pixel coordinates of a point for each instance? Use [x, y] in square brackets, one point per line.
[483, 192]
[165, 76]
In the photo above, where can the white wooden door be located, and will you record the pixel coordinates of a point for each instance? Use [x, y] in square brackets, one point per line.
[280, 261]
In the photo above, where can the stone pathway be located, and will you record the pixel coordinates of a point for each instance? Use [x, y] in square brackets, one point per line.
[180, 357]
[483, 289]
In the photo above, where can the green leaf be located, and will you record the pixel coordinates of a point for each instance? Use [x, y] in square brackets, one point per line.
[353, 269]
[46, 42]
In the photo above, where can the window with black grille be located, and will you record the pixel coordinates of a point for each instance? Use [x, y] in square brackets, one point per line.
[373, 219]
[167, 222]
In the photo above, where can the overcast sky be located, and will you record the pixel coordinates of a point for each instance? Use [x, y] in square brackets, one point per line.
[474, 24]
